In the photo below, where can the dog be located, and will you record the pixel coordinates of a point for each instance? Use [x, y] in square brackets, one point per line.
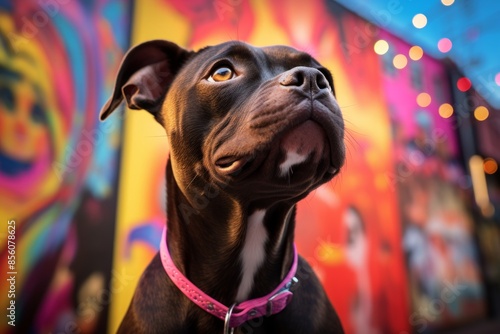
[251, 131]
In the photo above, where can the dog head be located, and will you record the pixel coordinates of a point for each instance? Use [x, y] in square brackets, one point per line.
[259, 123]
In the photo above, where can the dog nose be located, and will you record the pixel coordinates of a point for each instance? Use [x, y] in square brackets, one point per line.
[308, 79]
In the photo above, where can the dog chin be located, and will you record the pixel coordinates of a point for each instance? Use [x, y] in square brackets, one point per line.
[301, 156]
[274, 175]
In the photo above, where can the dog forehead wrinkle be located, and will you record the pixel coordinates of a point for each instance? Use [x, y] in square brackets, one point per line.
[253, 253]
[289, 56]
[231, 50]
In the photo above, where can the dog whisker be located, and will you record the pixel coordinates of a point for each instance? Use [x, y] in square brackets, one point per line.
[194, 178]
[349, 106]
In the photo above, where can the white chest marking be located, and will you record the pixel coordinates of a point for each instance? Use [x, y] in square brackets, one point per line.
[292, 158]
[253, 253]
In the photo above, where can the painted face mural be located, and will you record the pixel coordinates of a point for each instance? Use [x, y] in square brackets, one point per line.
[57, 163]
[27, 123]
[25, 139]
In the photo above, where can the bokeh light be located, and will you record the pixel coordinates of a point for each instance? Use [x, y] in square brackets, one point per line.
[497, 79]
[447, 2]
[381, 47]
[419, 21]
[481, 113]
[444, 45]
[416, 52]
[445, 110]
[423, 100]
[490, 166]
[463, 84]
[400, 61]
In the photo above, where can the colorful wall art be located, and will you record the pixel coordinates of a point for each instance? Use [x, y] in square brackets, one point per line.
[58, 163]
[82, 203]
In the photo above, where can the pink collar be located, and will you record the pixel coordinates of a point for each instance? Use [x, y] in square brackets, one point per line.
[237, 314]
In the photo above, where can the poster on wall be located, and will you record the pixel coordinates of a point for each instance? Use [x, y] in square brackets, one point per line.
[58, 163]
[353, 244]
[434, 193]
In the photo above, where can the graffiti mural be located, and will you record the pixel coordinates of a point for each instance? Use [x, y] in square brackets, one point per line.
[441, 257]
[390, 238]
[58, 164]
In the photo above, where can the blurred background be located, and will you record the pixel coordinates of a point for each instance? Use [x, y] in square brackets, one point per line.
[405, 240]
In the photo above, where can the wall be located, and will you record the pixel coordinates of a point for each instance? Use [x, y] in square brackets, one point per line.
[390, 238]
[58, 163]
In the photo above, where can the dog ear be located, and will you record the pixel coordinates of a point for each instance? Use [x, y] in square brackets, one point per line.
[145, 74]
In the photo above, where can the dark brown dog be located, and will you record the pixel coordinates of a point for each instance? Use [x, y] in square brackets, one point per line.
[251, 132]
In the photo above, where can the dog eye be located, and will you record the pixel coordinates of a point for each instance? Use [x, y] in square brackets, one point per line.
[221, 74]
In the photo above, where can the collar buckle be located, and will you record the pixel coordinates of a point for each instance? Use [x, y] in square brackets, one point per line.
[281, 298]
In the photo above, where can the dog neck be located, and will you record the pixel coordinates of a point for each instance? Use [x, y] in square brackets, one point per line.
[230, 251]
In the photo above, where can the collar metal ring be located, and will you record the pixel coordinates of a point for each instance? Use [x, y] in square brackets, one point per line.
[227, 328]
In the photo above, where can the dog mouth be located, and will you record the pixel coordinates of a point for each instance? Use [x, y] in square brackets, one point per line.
[307, 143]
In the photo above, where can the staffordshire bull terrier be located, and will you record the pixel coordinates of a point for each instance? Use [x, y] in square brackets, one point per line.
[251, 131]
